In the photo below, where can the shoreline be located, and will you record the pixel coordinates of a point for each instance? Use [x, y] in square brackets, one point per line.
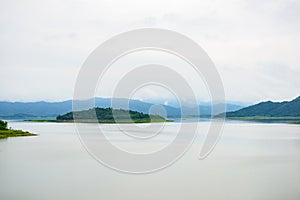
[266, 119]
[101, 121]
[15, 133]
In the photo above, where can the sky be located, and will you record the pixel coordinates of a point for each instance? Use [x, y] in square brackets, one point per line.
[254, 44]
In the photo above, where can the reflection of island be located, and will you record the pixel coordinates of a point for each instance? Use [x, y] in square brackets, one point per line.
[107, 115]
[8, 132]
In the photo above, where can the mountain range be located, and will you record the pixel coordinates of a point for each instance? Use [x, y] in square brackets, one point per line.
[41, 109]
[269, 109]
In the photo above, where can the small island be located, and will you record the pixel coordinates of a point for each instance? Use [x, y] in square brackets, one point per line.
[106, 115]
[8, 132]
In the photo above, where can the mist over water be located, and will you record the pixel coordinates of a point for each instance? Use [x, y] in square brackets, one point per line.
[251, 161]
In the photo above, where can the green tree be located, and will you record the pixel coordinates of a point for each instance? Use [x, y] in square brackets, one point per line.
[3, 125]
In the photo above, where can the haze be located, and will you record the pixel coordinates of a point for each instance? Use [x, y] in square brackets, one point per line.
[254, 44]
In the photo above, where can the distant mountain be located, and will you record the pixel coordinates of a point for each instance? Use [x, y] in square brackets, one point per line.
[270, 109]
[204, 105]
[22, 110]
[49, 110]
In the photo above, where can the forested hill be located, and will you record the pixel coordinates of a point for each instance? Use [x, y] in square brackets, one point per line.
[109, 115]
[270, 109]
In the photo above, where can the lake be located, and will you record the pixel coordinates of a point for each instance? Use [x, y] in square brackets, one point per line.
[251, 161]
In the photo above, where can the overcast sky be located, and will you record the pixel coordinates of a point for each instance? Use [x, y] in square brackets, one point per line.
[254, 44]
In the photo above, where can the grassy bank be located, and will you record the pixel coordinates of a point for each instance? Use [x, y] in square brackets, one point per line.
[8, 132]
[14, 133]
[295, 123]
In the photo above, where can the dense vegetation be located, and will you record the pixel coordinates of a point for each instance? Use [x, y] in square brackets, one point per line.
[3, 125]
[6, 132]
[109, 115]
[270, 109]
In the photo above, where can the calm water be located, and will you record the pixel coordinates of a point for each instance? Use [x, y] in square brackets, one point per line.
[251, 161]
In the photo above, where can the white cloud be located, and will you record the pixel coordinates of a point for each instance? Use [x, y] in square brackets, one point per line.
[254, 44]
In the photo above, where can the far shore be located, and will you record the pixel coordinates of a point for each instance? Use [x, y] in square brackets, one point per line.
[268, 119]
[101, 121]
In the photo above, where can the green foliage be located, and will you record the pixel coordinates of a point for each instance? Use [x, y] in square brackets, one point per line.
[295, 123]
[110, 115]
[14, 133]
[5, 132]
[3, 125]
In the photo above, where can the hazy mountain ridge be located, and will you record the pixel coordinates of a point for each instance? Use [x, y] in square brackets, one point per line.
[42, 109]
[270, 109]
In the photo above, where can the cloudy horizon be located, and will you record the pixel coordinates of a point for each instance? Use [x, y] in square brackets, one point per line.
[254, 44]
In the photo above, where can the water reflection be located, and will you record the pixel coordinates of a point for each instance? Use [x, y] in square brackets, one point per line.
[251, 161]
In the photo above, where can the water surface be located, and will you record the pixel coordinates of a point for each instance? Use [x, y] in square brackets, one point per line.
[251, 161]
